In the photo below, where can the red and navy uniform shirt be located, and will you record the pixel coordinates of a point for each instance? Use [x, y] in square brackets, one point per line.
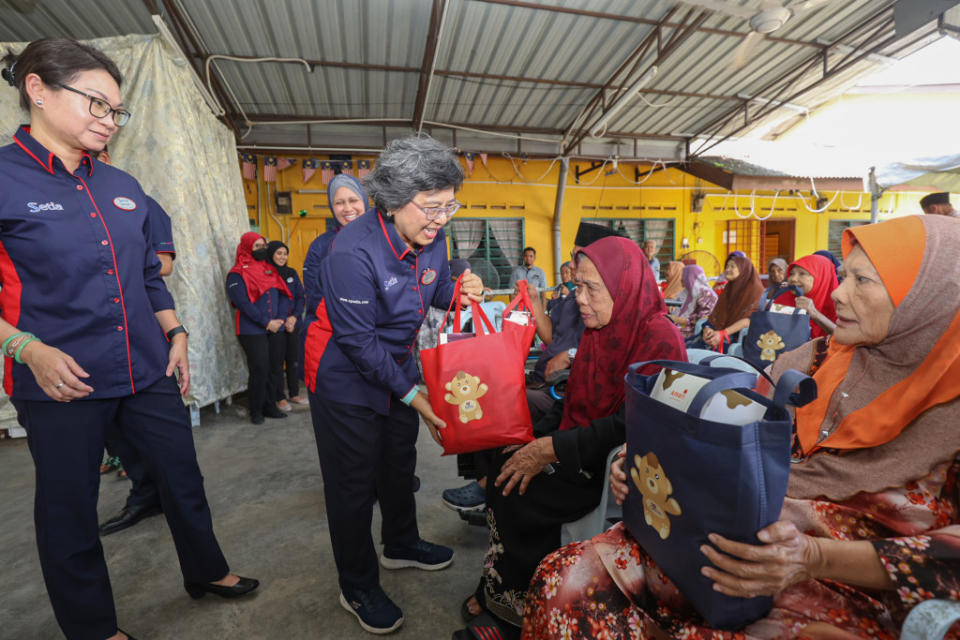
[293, 307]
[376, 295]
[161, 228]
[78, 269]
[252, 318]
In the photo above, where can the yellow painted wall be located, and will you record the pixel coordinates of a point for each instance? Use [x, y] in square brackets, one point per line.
[511, 188]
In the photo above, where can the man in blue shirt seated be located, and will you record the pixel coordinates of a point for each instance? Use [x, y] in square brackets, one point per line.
[650, 249]
[527, 271]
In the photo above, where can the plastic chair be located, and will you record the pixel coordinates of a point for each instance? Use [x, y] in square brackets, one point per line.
[930, 620]
[597, 521]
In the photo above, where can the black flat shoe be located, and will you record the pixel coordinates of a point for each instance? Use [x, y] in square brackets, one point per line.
[199, 589]
[273, 412]
[128, 517]
[256, 419]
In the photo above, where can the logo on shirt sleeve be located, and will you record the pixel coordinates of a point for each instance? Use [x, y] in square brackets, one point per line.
[125, 204]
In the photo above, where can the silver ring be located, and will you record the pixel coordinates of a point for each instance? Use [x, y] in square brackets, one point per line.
[59, 384]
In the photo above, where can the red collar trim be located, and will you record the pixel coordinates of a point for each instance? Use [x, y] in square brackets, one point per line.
[386, 235]
[48, 165]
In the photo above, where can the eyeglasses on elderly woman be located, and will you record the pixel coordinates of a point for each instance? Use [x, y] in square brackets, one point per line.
[100, 108]
[432, 213]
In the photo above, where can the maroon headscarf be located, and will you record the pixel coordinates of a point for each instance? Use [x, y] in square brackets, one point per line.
[258, 275]
[638, 330]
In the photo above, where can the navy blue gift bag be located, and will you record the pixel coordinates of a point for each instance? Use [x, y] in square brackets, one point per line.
[772, 333]
[689, 476]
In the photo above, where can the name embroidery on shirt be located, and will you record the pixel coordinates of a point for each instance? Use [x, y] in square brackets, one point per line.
[46, 206]
[354, 301]
[390, 283]
[126, 204]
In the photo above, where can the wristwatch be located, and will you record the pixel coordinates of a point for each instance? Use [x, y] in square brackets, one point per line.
[177, 329]
[572, 353]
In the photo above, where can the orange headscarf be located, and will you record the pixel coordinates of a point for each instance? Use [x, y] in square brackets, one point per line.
[868, 394]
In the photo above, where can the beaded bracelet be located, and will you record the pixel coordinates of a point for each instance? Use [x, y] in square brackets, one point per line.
[25, 343]
[9, 352]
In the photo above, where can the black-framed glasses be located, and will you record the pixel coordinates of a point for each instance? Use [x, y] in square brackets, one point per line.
[100, 108]
[433, 213]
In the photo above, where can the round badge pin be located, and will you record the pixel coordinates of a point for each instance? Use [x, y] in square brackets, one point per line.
[428, 277]
[124, 203]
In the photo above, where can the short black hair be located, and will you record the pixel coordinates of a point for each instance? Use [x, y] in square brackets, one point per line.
[525, 249]
[57, 61]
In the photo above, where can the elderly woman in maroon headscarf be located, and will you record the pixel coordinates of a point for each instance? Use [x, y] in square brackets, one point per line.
[737, 301]
[626, 322]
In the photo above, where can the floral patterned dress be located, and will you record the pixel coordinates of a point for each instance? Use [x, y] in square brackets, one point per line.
[608, 587]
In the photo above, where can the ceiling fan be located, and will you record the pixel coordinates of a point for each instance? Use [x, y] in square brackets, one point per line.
[763, 20]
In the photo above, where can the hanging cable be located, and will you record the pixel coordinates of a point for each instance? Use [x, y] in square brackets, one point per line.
[772, 206]
[521, 176]
[848, 208]
[821, 210]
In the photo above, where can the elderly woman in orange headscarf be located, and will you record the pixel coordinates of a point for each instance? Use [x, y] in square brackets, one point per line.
[869, 527]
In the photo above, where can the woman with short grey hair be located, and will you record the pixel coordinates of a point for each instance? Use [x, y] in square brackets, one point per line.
[382, 274]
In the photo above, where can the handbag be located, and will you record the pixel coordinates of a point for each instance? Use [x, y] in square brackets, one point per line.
[476, 383]
[690, 475]
[771, 332]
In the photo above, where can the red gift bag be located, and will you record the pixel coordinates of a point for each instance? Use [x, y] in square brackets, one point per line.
[476, 384]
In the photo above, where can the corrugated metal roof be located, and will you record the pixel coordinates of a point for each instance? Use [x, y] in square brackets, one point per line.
[490, 55]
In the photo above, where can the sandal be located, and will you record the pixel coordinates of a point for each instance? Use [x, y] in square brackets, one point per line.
[484, 627]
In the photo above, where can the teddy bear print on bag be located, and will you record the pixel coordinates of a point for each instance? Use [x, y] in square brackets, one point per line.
[769, 344]
[655, 488]
[464, 391]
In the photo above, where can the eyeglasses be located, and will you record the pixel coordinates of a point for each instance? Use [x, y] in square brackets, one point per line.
[433, 213]
[100, 108]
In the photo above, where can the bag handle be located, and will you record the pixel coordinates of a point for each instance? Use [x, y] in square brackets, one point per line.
[771, 294]
[476, 310]
[792, 379]
[721, 379]
[523, 296]
[783, 389]
[724, 379]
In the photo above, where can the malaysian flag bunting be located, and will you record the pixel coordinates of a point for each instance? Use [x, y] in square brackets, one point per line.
[270, 169]
[326, 171]
[309, 168]
[248, 166]
[346, 167]
[468, 160]
[363, 168]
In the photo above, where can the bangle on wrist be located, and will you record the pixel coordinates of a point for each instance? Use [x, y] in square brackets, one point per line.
[16, 356]
[10, 344]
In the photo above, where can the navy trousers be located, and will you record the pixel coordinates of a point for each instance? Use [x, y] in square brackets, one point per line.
[66, 441]
[143, 490]
[366, 457]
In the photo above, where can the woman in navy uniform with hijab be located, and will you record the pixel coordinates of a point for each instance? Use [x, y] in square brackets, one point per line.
[90, 334]
[261, 299]
[384, 270]
[278, 254]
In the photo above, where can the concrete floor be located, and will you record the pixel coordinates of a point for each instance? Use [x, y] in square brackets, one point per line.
[265, 490]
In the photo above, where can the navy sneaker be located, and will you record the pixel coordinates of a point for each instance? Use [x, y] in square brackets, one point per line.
[465, 498]
[423, 555]
[375, 612]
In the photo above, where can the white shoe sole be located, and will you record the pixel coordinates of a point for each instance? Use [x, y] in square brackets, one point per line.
[401, 563]
[366, 627]
[462, 509]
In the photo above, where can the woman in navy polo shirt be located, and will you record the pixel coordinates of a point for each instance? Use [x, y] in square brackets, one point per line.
[278, 254]
[384, 270]
[83, 334]
[261, 298]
